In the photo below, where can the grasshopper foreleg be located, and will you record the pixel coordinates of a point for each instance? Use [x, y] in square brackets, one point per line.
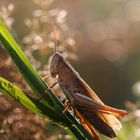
[46, 77]
[46, 91]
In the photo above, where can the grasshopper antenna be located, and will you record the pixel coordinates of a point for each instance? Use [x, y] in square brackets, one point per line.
[54, 34]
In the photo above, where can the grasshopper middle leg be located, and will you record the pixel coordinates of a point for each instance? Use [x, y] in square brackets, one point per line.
[67, 106]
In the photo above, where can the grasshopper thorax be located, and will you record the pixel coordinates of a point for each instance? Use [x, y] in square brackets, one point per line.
[56, 64]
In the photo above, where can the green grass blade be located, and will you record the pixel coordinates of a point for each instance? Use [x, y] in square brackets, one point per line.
[12, 91]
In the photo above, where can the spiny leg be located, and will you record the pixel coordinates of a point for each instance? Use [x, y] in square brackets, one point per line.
[87, 125]
[46, 91]
[92, 130]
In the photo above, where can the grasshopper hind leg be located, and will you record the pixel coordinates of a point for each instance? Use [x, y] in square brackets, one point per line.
[86, 124]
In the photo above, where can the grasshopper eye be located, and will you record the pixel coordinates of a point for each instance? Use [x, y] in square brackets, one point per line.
[53, 74]
[53, 70]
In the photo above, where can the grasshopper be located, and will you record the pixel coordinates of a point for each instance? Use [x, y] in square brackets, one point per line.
[87, 106]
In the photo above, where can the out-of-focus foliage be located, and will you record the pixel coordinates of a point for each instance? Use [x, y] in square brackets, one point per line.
[18, 123]
[131, 125]
[5, 14]
[111, 27]
[130, 129]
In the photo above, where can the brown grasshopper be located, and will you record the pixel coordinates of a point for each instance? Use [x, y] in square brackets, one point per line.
[87, 106]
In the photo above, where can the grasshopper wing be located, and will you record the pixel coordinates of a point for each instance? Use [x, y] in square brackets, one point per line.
[110, 119]
[91, 105]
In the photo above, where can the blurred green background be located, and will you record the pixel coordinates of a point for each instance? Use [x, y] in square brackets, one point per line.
[106, 37]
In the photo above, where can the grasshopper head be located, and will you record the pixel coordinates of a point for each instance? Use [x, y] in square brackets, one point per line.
[56, 64]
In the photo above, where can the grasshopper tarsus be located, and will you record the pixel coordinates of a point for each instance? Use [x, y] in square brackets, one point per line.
[66, 109]
[67, 106]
